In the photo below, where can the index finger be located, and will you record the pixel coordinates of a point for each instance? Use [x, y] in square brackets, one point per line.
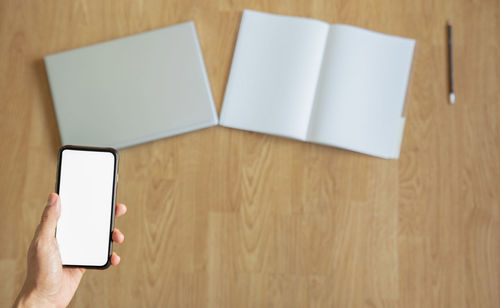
[120, 209]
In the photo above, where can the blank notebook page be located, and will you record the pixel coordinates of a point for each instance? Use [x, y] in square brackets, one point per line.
[361, 92]
[275, 68]
[132, 90]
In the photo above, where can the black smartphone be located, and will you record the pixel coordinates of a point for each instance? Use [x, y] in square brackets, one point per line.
[86, 184]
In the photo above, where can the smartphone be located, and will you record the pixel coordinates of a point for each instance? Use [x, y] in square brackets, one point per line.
[86, 184]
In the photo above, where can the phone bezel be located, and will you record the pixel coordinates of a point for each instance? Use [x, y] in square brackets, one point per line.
[115, 180]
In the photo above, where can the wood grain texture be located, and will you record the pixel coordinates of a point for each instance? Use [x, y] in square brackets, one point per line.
[226, 218]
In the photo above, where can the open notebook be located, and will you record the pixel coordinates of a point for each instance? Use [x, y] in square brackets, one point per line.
[132, 90]
[336, 84]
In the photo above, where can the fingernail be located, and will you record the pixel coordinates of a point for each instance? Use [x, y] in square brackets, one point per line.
[52, 199]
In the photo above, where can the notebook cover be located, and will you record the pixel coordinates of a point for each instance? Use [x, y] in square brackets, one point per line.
[132, 90]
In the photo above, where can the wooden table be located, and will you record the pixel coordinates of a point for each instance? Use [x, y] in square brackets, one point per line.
[227, 218]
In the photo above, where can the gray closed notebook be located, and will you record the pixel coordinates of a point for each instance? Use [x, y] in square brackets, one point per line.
[132, 90]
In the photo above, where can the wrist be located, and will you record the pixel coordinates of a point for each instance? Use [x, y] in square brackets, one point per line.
[31, 299]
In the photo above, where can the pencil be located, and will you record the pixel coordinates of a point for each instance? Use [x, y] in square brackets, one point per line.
[450, 64]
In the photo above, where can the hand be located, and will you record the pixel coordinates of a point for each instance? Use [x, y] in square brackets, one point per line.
[47, 283]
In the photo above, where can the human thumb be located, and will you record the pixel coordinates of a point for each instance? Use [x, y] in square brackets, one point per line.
[50, 216]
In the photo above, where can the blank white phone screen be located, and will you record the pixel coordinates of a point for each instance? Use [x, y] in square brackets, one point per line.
[86, 187]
